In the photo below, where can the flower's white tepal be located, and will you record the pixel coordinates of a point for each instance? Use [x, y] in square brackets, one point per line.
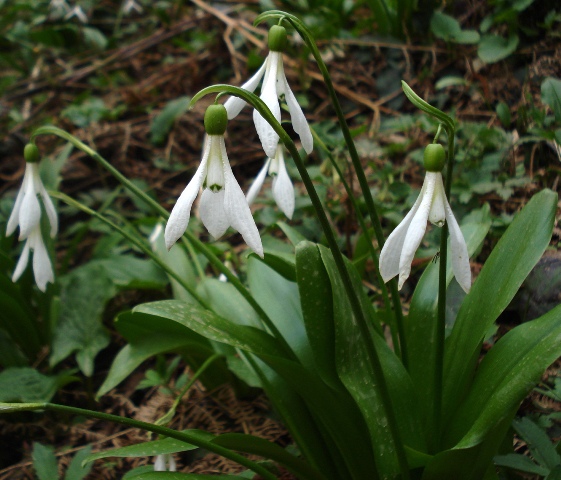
[274, 85]
[283, 190]
[222, 204]
[401, 245]
[165, 463]
[27, 214]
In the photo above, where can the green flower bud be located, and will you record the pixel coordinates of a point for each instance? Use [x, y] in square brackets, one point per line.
[277, 39]
[434, 157]
[31, 153]
[216, 120]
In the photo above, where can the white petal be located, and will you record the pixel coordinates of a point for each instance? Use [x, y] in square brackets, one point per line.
[22, 262]
[297, 117]
[234, 105]
[283, 190]
[437, 215]
[458, 250]
[179, 217]
[42, 268]
[30, 209]
[237, 208]
[391, 252]
[257, 183]
[171, 463]
[269, 138]
[14, 217]
[211, 211]
[160, 464]
[49, 206]
[416, 230]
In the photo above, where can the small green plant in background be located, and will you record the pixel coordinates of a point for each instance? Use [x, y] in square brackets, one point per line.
[46, 465]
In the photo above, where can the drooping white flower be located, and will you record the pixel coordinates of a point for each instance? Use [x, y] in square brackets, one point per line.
[130, 5]
[283, 190]
[59, 8]
[76, 11]
[165, 463]
[274, 85]
[27, 215]
[223, 203]
[400, 247]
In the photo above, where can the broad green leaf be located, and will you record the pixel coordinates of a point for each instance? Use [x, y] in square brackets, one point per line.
[259, 446]
[522, 463]
[281, 301]
[162, 123]
[551, 96]
[44, 461]
[75, 470]
[314, 287]
[506, 375]
[79, 330]
[538, 441]
[555, 474]
[421, 321]
[149, 336]
[493, 48]
[511, 260]
[449, 29]
[94, 38]
[503, 112]
[357, 375]
[293, 235]
[146, 449]
[130, 272]
[212, 326]
[24, 384]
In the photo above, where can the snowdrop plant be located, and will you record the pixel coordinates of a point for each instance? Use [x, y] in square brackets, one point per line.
[427, 406]
[27, 215]
[283, 190]
[274, 86]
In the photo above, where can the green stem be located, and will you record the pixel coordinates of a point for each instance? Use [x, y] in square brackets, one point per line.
[374, 361]
[441, 315]
[158, 429]
[200, 246]
[363, 182]
[135, 241]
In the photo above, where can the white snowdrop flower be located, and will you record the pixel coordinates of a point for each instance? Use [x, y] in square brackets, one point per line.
[130, 5]
[165, 463]
[59, 8]
[400, 247]
[222, 203]
[27, 215]
[283, 190]
[76, 11]
[274, 85]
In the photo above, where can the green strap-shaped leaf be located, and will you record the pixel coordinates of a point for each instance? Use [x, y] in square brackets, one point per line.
[538, 442]
[180, 476]
[264, 448]
[315, 288]
[213, 327]
[506, 375]
[351, 357]
[522, 463]
[508, 265]
[145, 449]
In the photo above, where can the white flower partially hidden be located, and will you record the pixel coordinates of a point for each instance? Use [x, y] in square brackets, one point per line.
[274, 85]
[27, 214]
[76, 11]
[283, 190]
[130, 5]
[222, 204]
[401, 245]
[165, 463]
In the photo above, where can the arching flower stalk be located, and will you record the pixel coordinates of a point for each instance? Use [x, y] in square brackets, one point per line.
[223, 203]
[274, 85]
[432, 205]
[283, 190]
[27, 215]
